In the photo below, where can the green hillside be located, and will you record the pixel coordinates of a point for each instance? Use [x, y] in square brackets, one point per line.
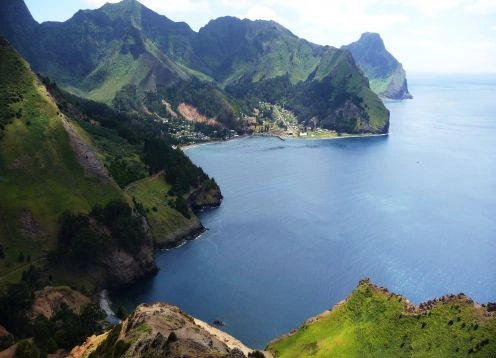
[40, 173]
[373, 322]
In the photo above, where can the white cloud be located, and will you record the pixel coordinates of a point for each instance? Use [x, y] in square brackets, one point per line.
[261, 13]
[177, 6]
[483, 7]
[422, 34]
[434, 7]
[163, 6]
[98, 3]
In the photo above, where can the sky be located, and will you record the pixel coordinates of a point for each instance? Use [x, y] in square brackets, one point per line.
[426, 36]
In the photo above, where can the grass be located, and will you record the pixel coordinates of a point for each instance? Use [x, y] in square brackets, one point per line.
[118, 70]
[41, 176]
[164, 220]
[374, 323]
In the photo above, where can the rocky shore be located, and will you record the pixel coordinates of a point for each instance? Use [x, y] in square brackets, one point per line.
[161, 330]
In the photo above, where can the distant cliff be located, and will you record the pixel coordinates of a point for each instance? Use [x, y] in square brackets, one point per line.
[386, 75]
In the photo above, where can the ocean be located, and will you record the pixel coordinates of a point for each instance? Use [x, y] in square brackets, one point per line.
[304, 220]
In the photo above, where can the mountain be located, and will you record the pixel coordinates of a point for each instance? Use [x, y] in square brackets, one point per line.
[122, 52]
[386, 75]
[263, 61]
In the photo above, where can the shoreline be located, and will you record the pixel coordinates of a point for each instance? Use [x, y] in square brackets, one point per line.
[283, 138]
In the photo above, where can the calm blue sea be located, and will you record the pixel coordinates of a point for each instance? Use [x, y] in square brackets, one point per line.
[304, 220]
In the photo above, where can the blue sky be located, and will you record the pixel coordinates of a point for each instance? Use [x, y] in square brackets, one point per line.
[448, 36]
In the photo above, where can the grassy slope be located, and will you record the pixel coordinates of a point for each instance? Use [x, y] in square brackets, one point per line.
[164, 220]
[394, 80]
[345, 76]
[39, 170]
[373, 323]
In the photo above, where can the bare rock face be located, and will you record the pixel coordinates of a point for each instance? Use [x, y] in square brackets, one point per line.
[207, 196]
[161, 330]
[49, 300]
[121, 268]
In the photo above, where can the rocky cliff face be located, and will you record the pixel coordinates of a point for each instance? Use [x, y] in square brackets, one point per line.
[386, 75]
[120, 267]
[48, 301]
[205, 198]
[161, 330]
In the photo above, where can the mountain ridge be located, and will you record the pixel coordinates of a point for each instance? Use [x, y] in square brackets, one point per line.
[127, 48]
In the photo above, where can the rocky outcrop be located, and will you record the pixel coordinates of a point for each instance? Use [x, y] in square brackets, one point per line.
[205, 198]
[208, 195]
[49, 300]
[178, 237]
[121, 268]
[161, 330]
[386, 75]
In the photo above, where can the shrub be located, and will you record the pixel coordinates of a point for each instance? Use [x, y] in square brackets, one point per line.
[26, 349]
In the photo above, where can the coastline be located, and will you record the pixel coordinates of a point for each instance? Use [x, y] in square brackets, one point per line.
[181, 238]
[409, 308]
[284, 138]
[231, 341]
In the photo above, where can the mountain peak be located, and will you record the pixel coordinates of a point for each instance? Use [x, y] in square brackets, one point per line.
[373, 40]
[15, 10]
[123, 7]
[386, 75]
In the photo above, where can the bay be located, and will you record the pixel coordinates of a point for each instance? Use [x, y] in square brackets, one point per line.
[304, 220]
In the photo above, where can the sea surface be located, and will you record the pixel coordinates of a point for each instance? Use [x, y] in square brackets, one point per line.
[304, 220]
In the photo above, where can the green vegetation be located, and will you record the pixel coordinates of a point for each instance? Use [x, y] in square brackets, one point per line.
[27, 349]
[135, 60]
[64, 329]
[386, 75]
[84, 239]
[180, 171]
[112, 346]
[41, 176]
[375, 323]
[205, 96]
[165, 221]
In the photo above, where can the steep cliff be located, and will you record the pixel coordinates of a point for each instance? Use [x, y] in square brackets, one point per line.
[386, 75]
